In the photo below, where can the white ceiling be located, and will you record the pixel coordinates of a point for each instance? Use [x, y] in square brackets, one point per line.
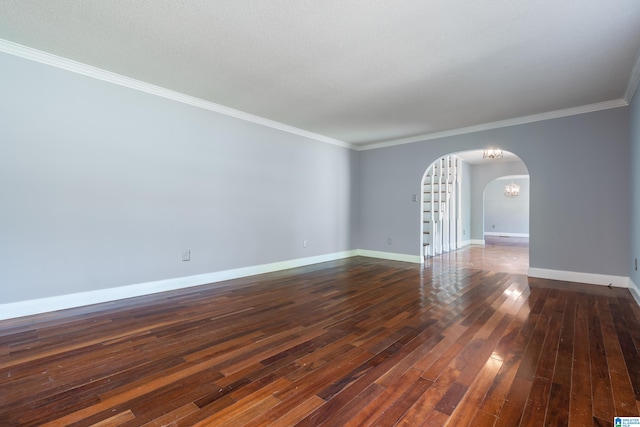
[362, 71]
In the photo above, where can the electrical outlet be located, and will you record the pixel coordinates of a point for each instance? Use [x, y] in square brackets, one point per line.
[305, 243]
[186, 255]
[388, 241]
[415, 198]
[636, 264]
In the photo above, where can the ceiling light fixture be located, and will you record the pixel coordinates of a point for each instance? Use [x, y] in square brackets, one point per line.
[512, 190]
[492, 153]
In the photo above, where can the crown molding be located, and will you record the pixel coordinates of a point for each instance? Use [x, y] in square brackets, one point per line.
[501, 124]
[100, 74]
[108, 76]
[634, 80]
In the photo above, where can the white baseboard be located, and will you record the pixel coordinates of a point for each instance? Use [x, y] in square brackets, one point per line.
[61, 302]
[572, 276]
[477, 242]
[466, 243]
[416, 259]
[500, 234]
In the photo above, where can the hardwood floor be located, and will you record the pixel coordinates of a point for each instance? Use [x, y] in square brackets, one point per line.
[504, 254]
[353, 342]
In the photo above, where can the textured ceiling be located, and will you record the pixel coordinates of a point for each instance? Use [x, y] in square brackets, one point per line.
[358, 71]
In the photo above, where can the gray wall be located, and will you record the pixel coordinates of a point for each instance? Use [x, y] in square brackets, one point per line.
[576, 222]
[103, 186]
[483, 175]
[505, 214]
[635, 190]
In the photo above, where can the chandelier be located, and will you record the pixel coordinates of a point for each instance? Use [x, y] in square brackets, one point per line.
[512, 190]
[492, 153]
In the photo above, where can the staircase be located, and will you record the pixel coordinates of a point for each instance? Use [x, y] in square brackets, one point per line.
[441, 224]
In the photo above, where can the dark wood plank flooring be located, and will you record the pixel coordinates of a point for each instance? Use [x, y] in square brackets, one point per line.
[345, 343]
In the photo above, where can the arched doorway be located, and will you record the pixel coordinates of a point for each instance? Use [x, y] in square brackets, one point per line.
[506, 207]
[452, 209]
[506, 224]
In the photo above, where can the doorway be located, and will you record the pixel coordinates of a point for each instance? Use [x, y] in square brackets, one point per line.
[458, 225]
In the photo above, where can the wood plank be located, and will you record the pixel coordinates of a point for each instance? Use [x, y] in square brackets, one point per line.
[511, 411]
[629, 350]
[116, 420]
[294, 416]
[600, 379]
[621, 387]
[510, 349]
[560, 394]
[581, 403]
[359, 341]
[173, 416]
[375, 407]
[536, 409]
[467, 410]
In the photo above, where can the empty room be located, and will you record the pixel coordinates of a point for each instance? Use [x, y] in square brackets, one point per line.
[279, 213]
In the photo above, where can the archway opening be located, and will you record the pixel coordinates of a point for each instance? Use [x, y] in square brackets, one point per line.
[453, 203]
[506, 208]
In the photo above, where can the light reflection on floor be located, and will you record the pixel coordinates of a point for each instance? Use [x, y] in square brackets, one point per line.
[500, 254]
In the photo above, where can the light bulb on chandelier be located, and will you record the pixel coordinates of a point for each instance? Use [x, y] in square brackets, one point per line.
[512, 190]
[492, 153]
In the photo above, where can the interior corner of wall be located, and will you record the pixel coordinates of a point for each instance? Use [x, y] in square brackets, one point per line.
[635, 290]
